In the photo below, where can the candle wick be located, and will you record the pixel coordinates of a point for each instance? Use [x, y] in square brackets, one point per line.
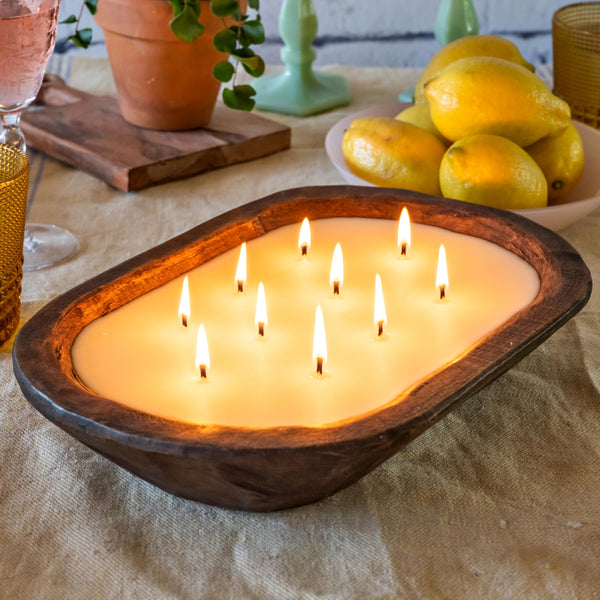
[442, 292]
[240, 284]
[304, 249]
[319, 365]
[184, 320]
[261, 328]
[380, 328]
[336, 288]
[203, 371]
[403, 249]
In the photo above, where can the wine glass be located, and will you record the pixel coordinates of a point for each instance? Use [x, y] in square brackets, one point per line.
[27, 37]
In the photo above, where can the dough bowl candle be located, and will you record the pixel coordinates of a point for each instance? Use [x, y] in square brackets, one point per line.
[261, 362]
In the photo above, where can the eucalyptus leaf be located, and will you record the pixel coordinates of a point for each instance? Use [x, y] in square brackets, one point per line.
[185, 25]
[254, 4]
[70, 19]
[225, 8]
[223, 71]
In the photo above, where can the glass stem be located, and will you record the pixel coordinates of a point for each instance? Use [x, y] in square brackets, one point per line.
[11, 133]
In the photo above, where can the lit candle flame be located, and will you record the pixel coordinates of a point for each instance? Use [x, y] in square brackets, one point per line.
[404, 232]
[336, 274]
[441, 278]
[184, 303]
[240, 274]
[304, 237]
[319, 341]
[260, 316]
[202, 356]
[379, 314]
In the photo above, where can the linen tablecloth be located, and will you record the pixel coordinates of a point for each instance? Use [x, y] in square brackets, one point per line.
[501, 499]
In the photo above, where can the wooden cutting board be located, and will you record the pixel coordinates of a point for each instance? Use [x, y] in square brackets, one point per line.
[89, 133]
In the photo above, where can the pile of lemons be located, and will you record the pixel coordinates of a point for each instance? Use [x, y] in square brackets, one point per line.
[484, 128]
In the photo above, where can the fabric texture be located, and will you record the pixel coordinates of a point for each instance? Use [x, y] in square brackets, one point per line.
[499, 500]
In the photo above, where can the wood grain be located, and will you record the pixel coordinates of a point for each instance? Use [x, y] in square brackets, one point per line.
[89, 133]
[275, 468]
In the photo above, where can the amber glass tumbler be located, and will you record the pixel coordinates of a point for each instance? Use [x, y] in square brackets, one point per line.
[14, 180]
[576, 49]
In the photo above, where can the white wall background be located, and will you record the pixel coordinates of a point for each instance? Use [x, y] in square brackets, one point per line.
[387, 32]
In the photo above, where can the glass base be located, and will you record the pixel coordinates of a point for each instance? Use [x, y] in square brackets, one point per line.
[47, 245]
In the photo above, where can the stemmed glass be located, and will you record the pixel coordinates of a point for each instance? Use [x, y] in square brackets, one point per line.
[27, 37]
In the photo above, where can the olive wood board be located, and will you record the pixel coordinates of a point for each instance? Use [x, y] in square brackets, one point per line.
[89, 133]
[265, 469]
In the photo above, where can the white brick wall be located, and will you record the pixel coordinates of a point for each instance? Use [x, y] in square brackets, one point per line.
[391, 32]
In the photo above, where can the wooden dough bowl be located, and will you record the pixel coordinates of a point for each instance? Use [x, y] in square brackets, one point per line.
[275, 468]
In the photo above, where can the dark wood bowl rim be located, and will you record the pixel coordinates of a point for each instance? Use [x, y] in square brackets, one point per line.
[41, 353]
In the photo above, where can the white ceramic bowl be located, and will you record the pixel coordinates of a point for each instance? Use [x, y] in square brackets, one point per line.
[584, 199]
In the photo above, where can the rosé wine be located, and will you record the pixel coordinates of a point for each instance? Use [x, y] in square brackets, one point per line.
[27, 36]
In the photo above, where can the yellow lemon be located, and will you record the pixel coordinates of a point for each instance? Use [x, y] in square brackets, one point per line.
[472, 45]
[391, 153]
[561, 159]
[492, 170]
[420, 115]
[491, 95]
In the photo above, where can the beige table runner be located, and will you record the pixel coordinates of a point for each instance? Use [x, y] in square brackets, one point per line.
[499, 500]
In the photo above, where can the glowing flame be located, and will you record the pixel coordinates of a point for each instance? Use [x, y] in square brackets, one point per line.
[404, 232]
[336, 274]
[184, 303]
[260, 316]
[304, 237]
[319, 341]
[202, 356]
[379, 314]
[240, 273]
[441, 278]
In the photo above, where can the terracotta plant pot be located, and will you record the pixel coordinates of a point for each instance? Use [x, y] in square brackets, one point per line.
[162, 82]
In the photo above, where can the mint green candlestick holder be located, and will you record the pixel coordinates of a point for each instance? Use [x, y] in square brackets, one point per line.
[455, 19]
[299, 90]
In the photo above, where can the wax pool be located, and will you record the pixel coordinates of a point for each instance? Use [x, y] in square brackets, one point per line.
[141, 356]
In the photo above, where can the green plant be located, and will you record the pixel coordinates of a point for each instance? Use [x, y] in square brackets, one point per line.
[186, 24]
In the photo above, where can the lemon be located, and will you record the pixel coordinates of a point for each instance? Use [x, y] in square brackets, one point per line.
[561, 159]
[420, 115]
[391, 153]
[491, 95]
[492, 170]
[472, 45]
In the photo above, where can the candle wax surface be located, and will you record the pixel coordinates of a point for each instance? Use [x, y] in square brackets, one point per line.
[141, 356]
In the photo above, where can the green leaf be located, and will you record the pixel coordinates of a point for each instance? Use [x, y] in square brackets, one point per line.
[185, 25]
[225, 41]
[240, 97]
[225, 8]
[251, 62]
[177, 7]
[254, 4]
[82, 37]
[92, 6]
[254, 31]
[256, 67]
[70, 19]
[223, 71]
